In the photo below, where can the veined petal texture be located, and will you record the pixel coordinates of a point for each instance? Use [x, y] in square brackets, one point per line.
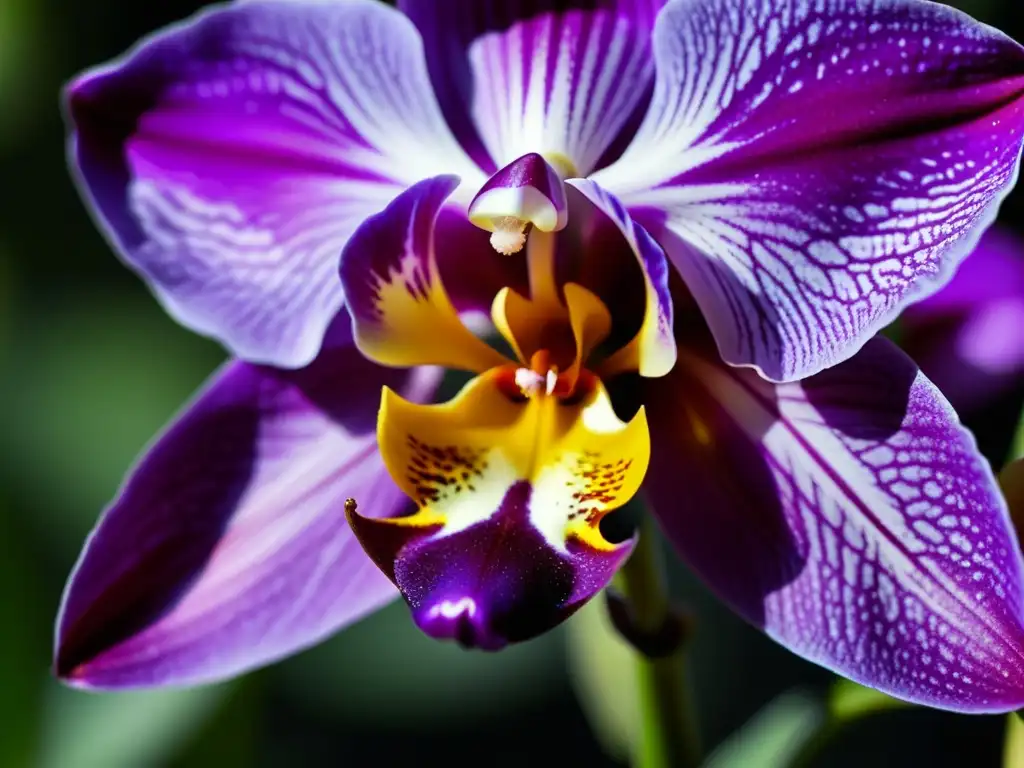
[565, 78]
[851, 517]
[813, 166]
[230, 157]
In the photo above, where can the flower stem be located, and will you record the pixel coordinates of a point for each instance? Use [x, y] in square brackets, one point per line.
[1017, 448]
[667, 737]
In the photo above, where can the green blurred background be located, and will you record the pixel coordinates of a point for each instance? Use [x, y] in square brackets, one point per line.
[90, 369]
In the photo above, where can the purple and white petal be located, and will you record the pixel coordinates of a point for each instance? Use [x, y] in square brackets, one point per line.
[230, 157]
[993, 273]
[850, 517]
[565, 79]
[652, 351]
[401, 313]
[966, 338]
[810, 170]
[227, 546]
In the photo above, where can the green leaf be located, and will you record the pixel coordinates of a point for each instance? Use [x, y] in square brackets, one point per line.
[848, 701]
[774, 736]
[121, 730]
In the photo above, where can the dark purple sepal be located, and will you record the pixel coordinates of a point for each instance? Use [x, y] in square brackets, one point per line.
[226, 548]
[382, 540]
[496, 582]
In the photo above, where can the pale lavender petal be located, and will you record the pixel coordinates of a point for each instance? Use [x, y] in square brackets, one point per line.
[230, 157]
[851, 517]
[559, 77]
[810, 170]
[227, 548]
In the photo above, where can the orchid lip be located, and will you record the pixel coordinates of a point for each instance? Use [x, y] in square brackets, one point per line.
[458, 619]
[511, 482]
[496, 582]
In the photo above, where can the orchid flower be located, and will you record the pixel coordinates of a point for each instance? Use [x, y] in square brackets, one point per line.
[967, 338]
[684, 220]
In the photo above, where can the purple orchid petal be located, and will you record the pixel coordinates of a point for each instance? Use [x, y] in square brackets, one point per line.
[227, 547]
[560, 77]
[851, 518]
[810, 171]
[472, 272]
[229, 159]
[994, 272]
[401, 313]
[966, 338]
[653, 350]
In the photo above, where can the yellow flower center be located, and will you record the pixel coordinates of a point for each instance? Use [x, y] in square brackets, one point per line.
[543, 420]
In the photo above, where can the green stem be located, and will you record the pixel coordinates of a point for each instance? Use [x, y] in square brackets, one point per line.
[667, 736]
[1017, 448]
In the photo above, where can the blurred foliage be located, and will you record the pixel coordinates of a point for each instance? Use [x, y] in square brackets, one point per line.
[89, 391]
[774, 736]
[20, 69]
[1011, 481]
[439, 684]
[24, 644]
[127, 730]
[603, 676]
[848, 701]
[1013, 751]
